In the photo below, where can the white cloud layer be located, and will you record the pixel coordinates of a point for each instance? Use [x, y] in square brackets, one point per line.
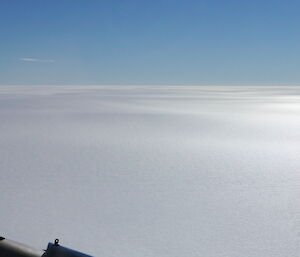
[27, 59]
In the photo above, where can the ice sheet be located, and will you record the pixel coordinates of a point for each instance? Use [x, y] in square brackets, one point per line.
[152, 171]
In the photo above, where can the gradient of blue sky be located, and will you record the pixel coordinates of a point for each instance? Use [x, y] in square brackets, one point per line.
[149, 42]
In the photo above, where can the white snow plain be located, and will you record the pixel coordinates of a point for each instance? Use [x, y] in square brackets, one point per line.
[161, 171]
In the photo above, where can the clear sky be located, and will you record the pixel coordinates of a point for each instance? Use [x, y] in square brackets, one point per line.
[56, 42]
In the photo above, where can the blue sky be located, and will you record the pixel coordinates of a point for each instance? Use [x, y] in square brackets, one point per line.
[62, 42]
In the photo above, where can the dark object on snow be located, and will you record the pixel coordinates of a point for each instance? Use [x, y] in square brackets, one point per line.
[9, 248]
[55, 250]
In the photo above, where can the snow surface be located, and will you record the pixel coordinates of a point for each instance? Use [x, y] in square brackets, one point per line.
[162, 171]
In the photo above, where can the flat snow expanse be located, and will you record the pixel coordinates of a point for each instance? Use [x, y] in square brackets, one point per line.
[152, 171]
